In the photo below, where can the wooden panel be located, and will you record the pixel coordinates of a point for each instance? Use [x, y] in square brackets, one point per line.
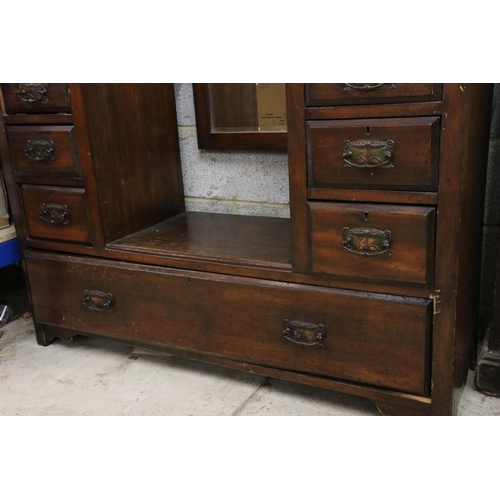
[414, 162]
[297, 176]
[233, 106]
[34, 119]
[237, 239]
[324, 94]
[57, 99]
[372, 339]
[364, 111]
[75, 230]
[132, 130]
[410, 254]
[371, 195]
[208, 139]
[419, 404]
[65, 156]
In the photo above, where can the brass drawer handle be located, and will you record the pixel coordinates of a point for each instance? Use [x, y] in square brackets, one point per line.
[97, 300]
[54, 213]
[40, 149]
[368, 86]
[368, 154]
[303, 333]
[33, 92]
[366, 241]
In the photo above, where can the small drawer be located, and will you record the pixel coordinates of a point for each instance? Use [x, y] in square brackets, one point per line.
[328, 94]
[382, 242]
[55, 213]
[46, 151]
[375, 339]
[391, 153]
[36, 98]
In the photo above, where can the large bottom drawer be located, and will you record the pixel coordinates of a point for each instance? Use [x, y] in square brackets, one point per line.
[373, 339]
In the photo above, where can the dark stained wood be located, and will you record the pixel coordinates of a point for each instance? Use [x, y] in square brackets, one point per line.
[87, 165]
[252, 281]
[16, 209]
[451, 339]
[49, 180]
[477, 128]
[401, 410]
[385, 196]
[131, 128]
[327, 94]
[418, 403]
[233, 106]
[410, 256]
[56, 119]
[208, 139]
[414, 161]
[57, 100]
[253, 269]
[74, 198]
[261, 241]
[243, 319]
[65, 162]
[297, 177]
[375, 111]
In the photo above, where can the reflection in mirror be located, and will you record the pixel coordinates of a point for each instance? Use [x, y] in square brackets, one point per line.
[241, 115]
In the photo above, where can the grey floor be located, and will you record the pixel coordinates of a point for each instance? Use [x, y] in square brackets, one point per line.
[96, 377]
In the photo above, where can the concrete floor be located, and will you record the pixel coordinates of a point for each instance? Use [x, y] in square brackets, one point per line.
[96, 377]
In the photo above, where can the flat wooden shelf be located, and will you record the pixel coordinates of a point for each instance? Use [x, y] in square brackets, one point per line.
[234, 239]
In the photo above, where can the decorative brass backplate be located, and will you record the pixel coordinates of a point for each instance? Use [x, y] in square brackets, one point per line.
[97, 300]
[368, 86]
[366, 241]
[40, 149]
[33, 92]
[54, 213]
[368, 154]
[303, 333]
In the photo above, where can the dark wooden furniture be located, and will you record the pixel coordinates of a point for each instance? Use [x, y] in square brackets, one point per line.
[370, 288]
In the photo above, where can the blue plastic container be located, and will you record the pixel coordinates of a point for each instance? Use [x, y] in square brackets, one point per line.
[10, 252]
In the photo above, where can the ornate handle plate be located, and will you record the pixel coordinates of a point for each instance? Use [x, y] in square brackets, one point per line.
[366, 241]
[40, 149]
[33, 92]
[368, 154]
[303, 333]
[368, 86]
[54, 213]
[97, 300]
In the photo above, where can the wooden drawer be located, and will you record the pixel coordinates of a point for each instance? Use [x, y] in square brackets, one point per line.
[46, 151]
[395, 153]
[327, 94]
[383, 242]
[36, 98]
[373, 339]
[55, 213]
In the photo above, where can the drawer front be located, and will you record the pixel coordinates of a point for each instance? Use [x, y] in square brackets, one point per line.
[55, 213]
[46, 151]
[36, 98]
[393, 153]
[383, 242]
[368, 338]
[327, 94]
